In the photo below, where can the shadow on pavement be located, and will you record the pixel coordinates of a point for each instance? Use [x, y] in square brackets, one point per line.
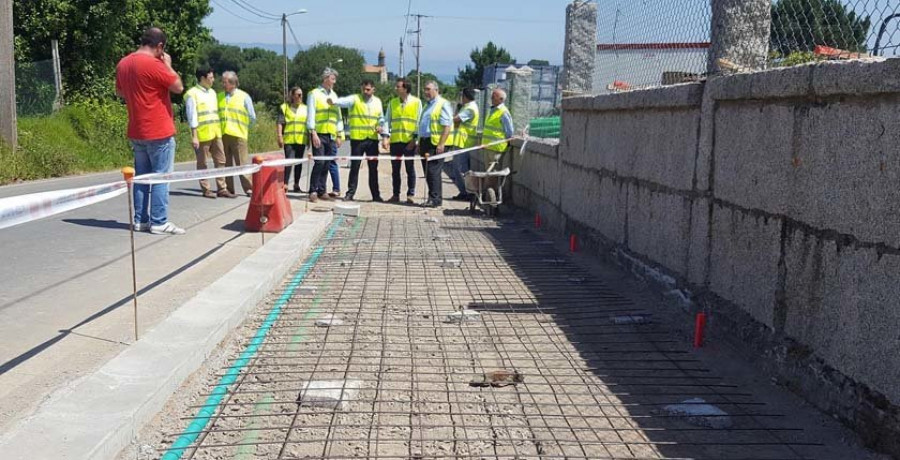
[110, 224]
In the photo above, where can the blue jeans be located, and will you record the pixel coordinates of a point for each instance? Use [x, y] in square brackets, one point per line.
[157, 156]
[335, 174]
[455, 168]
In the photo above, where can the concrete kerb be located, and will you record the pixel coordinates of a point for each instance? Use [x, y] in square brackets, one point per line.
[99, 415]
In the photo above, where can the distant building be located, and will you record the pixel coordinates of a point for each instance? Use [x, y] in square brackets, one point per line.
[378, 72]
[546, 93]
[625, 66]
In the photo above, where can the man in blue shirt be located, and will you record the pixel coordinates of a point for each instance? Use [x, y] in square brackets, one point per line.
[434, 130]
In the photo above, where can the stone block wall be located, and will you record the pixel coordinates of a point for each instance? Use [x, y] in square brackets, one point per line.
[773, 197]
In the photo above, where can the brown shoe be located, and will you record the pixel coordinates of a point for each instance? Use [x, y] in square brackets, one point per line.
[313, 197]
[226, 194]
[334, 194]
[209, 194]
[410, 200]
[394, 199]
[326, 197]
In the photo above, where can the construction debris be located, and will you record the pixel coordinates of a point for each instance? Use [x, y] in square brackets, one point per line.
[347, 209]
[697, 412]
[331, 394]
[328, 321]
[451, 263]
[498, 379]
[463, 316]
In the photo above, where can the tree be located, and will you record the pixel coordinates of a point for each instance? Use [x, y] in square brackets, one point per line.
[471, 76]
[447, 90]
[800, 25]
[221, 57]
[538, 62]
[94, 34]
[261, 76]
[308, 65]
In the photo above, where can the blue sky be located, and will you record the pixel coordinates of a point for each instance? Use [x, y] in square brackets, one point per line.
[529, 29]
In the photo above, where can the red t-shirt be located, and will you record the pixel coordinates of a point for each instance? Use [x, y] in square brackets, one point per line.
[144, 82]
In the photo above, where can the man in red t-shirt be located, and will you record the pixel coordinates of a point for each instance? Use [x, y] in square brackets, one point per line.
[144, 79]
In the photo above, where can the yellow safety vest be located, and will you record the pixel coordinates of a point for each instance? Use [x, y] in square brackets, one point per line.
[435, 122]
[364, 120]
[234, 116]
[405, 118]
[294, 124]
[464, 135]
[327, 116]
[206, 106]
[493, 130]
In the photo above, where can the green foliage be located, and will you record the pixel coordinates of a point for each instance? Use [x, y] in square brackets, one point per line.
[538, 62]
[800, 25]
[94, 34]
[795, 58]
[471, 76]
[307, 66]
[221, 57]
[449, 91]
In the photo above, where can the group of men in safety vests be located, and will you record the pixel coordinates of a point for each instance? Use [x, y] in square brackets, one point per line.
[407, 127]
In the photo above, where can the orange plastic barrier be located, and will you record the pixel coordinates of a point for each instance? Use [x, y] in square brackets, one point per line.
[269, 209]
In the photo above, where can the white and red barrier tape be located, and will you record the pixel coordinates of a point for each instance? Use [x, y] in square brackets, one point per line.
[26, 208]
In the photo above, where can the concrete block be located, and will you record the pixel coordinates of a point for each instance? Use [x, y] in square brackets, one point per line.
[612, 210]
[573, 135]
[540, 174]
[698, 251]
[744, 261]
[697, 412]
[347, 209]
[331, 394]
[841, 302]
[778, 83]
[848, 169]
[655, 146]
[659, 227]
[580, 195]
[753, 154]
[705, 143]
[856, 78]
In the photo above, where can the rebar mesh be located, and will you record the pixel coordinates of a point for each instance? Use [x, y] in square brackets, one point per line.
[650, 43]
[593, 388]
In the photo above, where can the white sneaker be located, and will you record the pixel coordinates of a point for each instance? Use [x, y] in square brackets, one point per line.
[167, 228]
[141, 226]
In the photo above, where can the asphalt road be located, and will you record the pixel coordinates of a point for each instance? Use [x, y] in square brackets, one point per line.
[66, 282]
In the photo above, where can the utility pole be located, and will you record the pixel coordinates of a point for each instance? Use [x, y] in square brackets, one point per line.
[418, 47]
[7, 75]
[284, 25]
[401, 58]
[284, 53]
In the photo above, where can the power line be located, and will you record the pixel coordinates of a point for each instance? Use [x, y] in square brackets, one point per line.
[252, 10]
[485, 19]
[296, 42]
[239, 16]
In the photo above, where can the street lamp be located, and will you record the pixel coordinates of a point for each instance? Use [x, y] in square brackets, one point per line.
[284, 17]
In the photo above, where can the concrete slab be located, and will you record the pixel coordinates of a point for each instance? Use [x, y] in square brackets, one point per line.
[97, 416]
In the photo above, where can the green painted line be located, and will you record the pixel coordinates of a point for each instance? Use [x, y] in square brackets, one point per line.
[248, 450]
[211, 405]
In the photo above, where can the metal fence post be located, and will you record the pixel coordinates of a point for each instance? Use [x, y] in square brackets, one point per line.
[580, 49]
[739, 35]
[7, 75]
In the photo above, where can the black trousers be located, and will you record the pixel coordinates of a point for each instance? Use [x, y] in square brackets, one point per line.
[433, 171]
[400, 149]
[366, 147]
[293, 151]
[320, 167]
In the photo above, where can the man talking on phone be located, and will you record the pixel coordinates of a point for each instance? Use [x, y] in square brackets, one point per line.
[144, 79]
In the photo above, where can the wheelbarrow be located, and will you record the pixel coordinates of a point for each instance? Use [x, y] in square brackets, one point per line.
[486, 188]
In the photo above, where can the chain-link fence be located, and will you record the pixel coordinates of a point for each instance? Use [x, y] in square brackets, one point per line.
[646, 43]
[35, 88]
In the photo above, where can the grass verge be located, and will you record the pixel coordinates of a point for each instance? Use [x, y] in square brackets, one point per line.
[89, 137]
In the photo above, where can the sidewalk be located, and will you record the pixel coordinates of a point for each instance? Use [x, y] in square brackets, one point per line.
[558, 356]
